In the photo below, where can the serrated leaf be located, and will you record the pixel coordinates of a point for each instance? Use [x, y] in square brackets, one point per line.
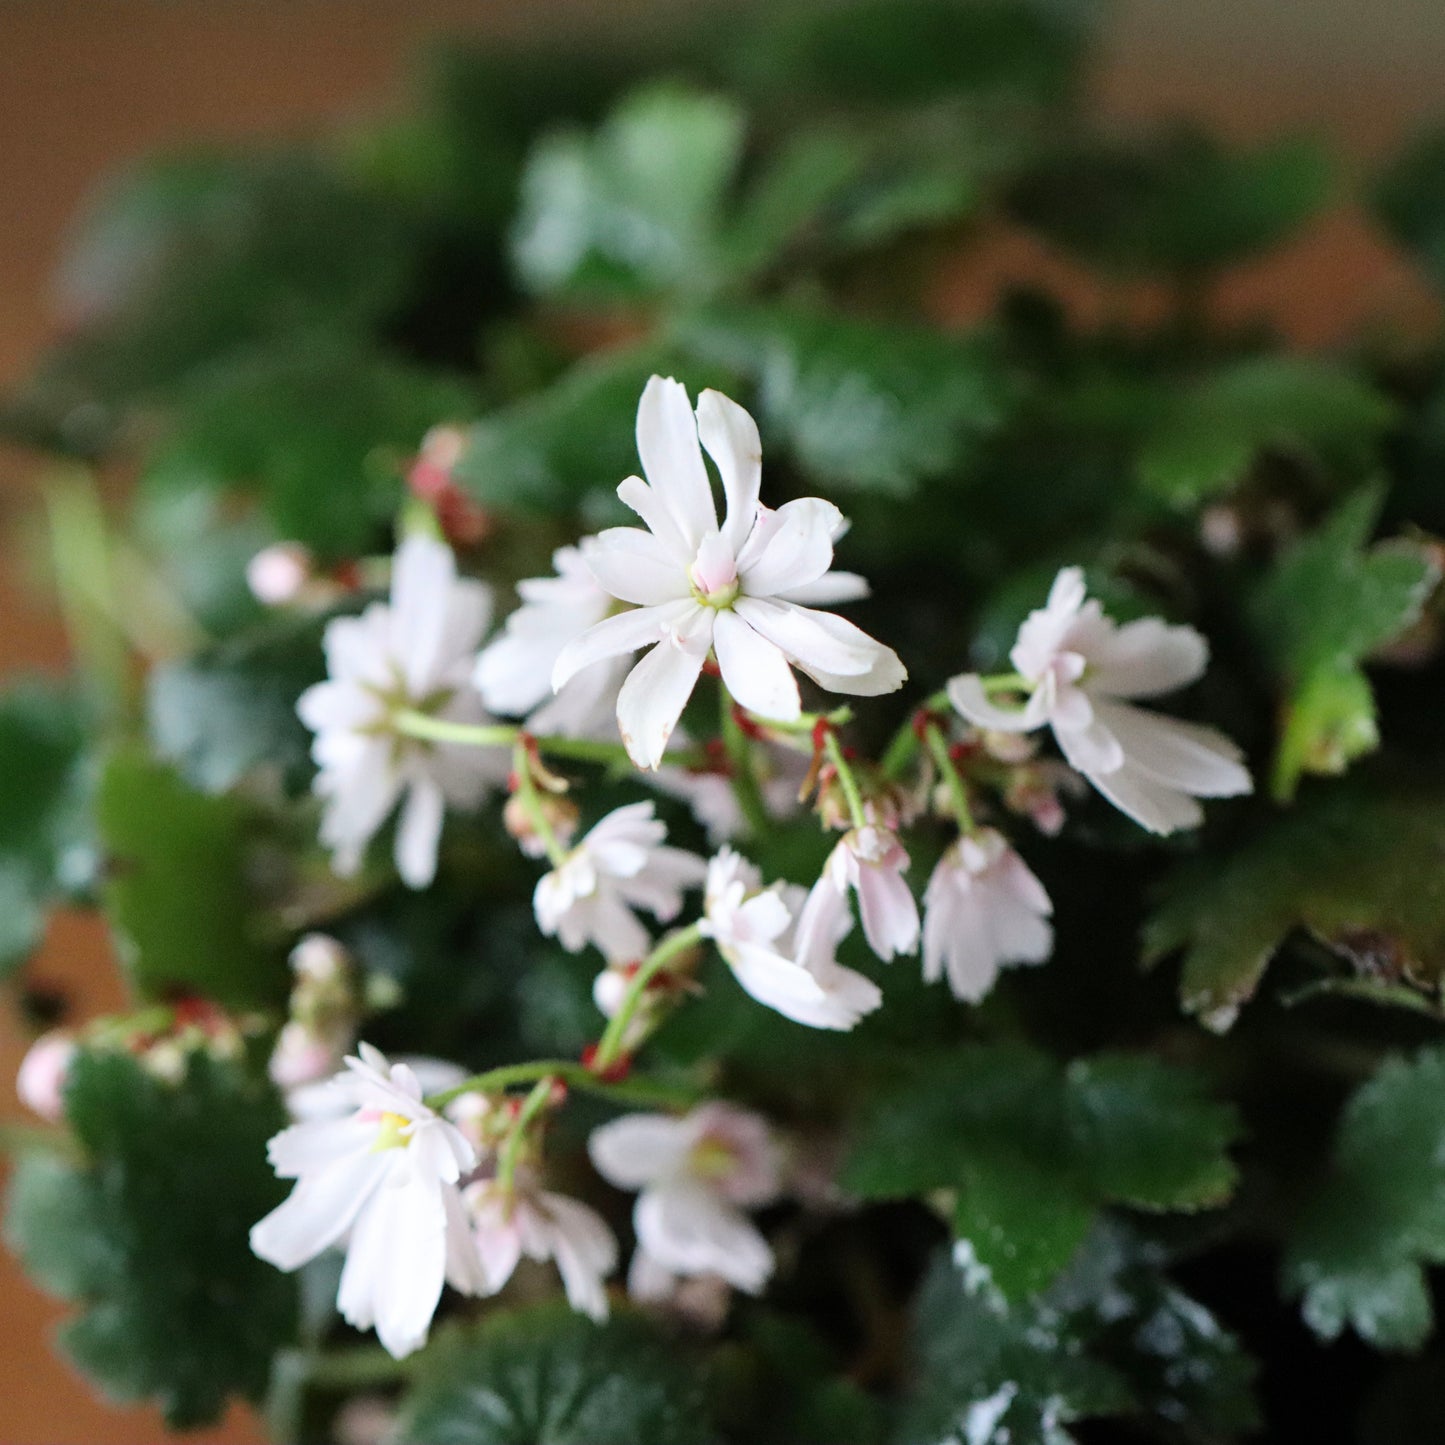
[550, 1377]
[1329, 602]
[636, 207]
[1207, 441]
[1113, 1338]
[178, 891]
[232, 708]
[1178, 205]
[1357, 1253]
[149, 1235]
[1360, 872]
[858, 404]
[1034, 1149]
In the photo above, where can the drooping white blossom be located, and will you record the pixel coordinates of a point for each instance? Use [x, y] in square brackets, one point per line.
[514, 671]
[872, 862]
[742, 589]
[509, 1223]
[983, 910]
[696, 1175]
[1082, 671]
[621, 865]
[415, 652]
[382, 1178]
[781, 946]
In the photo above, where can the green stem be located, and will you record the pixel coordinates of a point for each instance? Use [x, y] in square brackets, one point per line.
[417, 724]
[610, 1048]
[1006, 682]
[844, 769]
[637, 1092]
[537, 1100]
[938, 746]
[905, 741]
[740, 760]
[527, 792]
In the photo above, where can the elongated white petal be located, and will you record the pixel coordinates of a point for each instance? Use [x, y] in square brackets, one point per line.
[337, 704]
[418, 833]
[423, 576]
[808, 638]
[966, 693]
[799, 549]
[633, 1151]
[635, 566]
[585, 1250]
[1152, 804]
[754, 670]
[888, 910]
[614, 636]
[1093, 749]
[310, 1147]
[464, 1268]
[636, 495]
[731, 438]
[1195, 759]
[689, 1230]
[318, 1211]
[657, 690]
[828, 590]
[884, 674]
[1146, 658]
[672, 459]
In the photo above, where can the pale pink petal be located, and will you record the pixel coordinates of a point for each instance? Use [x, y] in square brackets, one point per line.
[1093, 750]
[888, 909]
[689, 1230]
[755, 671]
[1194, 759]
[672, 459]
[731, 438]
[636, 1149]
[635, 566]
[1153, 805]
[1146, 658]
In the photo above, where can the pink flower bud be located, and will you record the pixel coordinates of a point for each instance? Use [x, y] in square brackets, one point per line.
[43, 1072]
[276, 575]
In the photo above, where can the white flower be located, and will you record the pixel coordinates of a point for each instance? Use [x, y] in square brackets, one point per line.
[737, 589]
[417, 652]
[43, 1072]
[781, 947]
[697, 1174]
[983, 910]
[1079, 667]
[384, 1178]
[871, 861]
[514, 672]
[619, 866]
[508, 1223]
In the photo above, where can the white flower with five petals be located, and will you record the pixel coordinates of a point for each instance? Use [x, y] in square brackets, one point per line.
[1082, 671]
[382, 1177]
[781, 946]
[415, 652]
[696, 1176]
[740, 589]
[983, 910]
[618, 867]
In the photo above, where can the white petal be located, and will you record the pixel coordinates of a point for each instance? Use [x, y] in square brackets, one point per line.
[635, 494]
[418, 833]
[423, 574]
[890, 915]
[657, 690]
[884, 674]
[614, 636]
[1146, 658]
[318, 1211]
[754, 670]
[585, 1250]
[689, 1230]
[829, 589]
[966, 693]
[731, 438]
[307, 1148]
[1182, 755]
[671, 458]
[1151, 804]
[635, 566]
[464, 1269]
[799, 549]
[808, 638]
[1093, 749]
[336, 704]
[633, 1151]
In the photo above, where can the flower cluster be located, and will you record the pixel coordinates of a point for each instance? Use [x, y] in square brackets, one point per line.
[423, 1190]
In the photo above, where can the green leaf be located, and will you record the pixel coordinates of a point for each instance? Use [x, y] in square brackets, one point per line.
[1180, 205]
[46, 847]
[231, 709]
[1410, 201]
[1112, 1338]
[1035, 1148]
[178, 890]
[1207, 441]
[550, 1377]
[1358, 871]
[1358, 1251]
[296, 425]
[149, 1235]
[1328, 603]
[635, 208]
[857, 403]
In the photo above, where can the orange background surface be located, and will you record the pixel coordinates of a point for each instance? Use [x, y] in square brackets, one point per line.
[86, 85]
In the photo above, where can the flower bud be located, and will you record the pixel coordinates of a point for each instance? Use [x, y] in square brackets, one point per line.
[43, 1073]
[278, 574]
[561, 815]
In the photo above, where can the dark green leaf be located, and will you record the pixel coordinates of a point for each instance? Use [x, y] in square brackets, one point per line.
[1358, 1252]
[232, 709]
[178, 891]
[1034, 1149]
[149, 1236]
[1362, 873]
[1207, 441]
[550, 1377]
[1329, 602]
[1410, 200]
